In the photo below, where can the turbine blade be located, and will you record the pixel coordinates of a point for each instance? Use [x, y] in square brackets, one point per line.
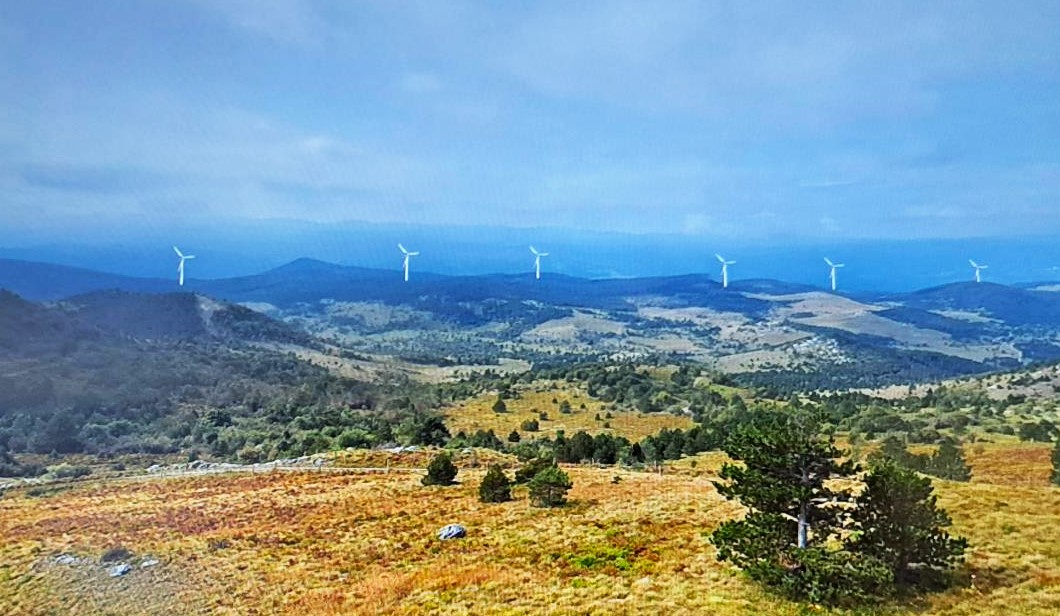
[177, 250]
[533, 250]
[412, 254]
[189, 256]
[542, 254]
[720, 258]
[828, 262]
[403, 249]
[974, 264]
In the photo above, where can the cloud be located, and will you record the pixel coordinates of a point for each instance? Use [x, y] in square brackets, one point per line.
[295, 22]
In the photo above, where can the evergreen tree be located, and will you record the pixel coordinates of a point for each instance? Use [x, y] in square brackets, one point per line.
[499, 406]
[549, 487]
[900, 525]
[495, 486]
[441, 471]
[782, 481]
[1055, 478]
[513, 437]
[948, 463]
[527, 472]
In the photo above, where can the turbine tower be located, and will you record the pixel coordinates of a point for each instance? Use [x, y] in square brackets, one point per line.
[180, 268]
[537, 262]
[724, 270]
[408, 255]
[978, 268]
[832, 274]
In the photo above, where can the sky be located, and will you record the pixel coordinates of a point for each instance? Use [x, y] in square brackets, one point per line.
[750, 122]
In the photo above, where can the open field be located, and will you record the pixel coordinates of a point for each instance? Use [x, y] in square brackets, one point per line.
[477, 414]
[325, 543]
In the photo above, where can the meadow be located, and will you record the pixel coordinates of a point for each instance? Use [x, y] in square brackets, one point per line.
[345, 542]
[587, 413]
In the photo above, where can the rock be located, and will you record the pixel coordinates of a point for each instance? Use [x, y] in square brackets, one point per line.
[118, 570]
[66, 559]
[150, 562]
[452, 531]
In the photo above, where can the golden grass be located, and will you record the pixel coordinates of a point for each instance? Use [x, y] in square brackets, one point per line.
[325, 543]
[477, 414]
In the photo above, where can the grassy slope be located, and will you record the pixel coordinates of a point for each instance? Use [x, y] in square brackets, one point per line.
[320, 543]
[477, 414]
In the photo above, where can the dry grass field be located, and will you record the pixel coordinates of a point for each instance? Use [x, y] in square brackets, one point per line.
[364, 543]
[477, 414]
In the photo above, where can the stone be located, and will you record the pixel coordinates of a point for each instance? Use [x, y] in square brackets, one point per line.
[118, 570]
[452, 531]
[150, 562]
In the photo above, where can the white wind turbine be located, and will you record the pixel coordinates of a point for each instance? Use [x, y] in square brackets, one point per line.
[832, 274]
[978, 268]
[407, 256]
[724, 270]
[537, 261]
[180, 268]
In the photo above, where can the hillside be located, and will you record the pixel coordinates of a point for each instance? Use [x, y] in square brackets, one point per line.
[770, 330]
[348, 542]
[121, 373]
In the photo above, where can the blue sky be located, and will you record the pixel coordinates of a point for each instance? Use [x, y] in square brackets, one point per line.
[745, 121]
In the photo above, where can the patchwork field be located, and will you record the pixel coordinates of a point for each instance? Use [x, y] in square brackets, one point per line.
[320, 542]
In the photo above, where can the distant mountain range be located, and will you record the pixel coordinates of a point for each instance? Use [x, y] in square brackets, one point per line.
[753, 326]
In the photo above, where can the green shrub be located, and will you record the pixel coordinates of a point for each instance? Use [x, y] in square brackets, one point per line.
[441, 471]
[530, 425]
[549, 488]
[534, 466]
[1055, 478]
[67, 471]
[495, 486]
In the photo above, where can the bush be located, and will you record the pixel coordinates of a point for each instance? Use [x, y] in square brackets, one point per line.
[527, 471]
[441, 471]
[834, 577]
[1055, 478]
[499, 406]
[115, 554]
[495, 486]
[899, 525]
[66, 471]
[549, 488]
[514, 437]
[530, 425]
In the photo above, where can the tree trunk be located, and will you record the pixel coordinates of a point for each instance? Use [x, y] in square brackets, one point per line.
[804, 527]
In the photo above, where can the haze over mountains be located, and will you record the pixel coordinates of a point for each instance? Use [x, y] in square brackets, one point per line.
[755, 326]
[240, 248]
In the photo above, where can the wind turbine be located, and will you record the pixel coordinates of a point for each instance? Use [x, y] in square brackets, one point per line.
[407, 256]
[724, 270]
[537, 261]
[978, 268]
[832, 274]
[180, 268]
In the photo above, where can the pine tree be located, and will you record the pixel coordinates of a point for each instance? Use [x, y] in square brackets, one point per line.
[499, 406]
[527, 472]
[785, 466]
[899, 524]
[441, 471]
[948, 463]
[549, 488]
[1055, 478]
[495, 486]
